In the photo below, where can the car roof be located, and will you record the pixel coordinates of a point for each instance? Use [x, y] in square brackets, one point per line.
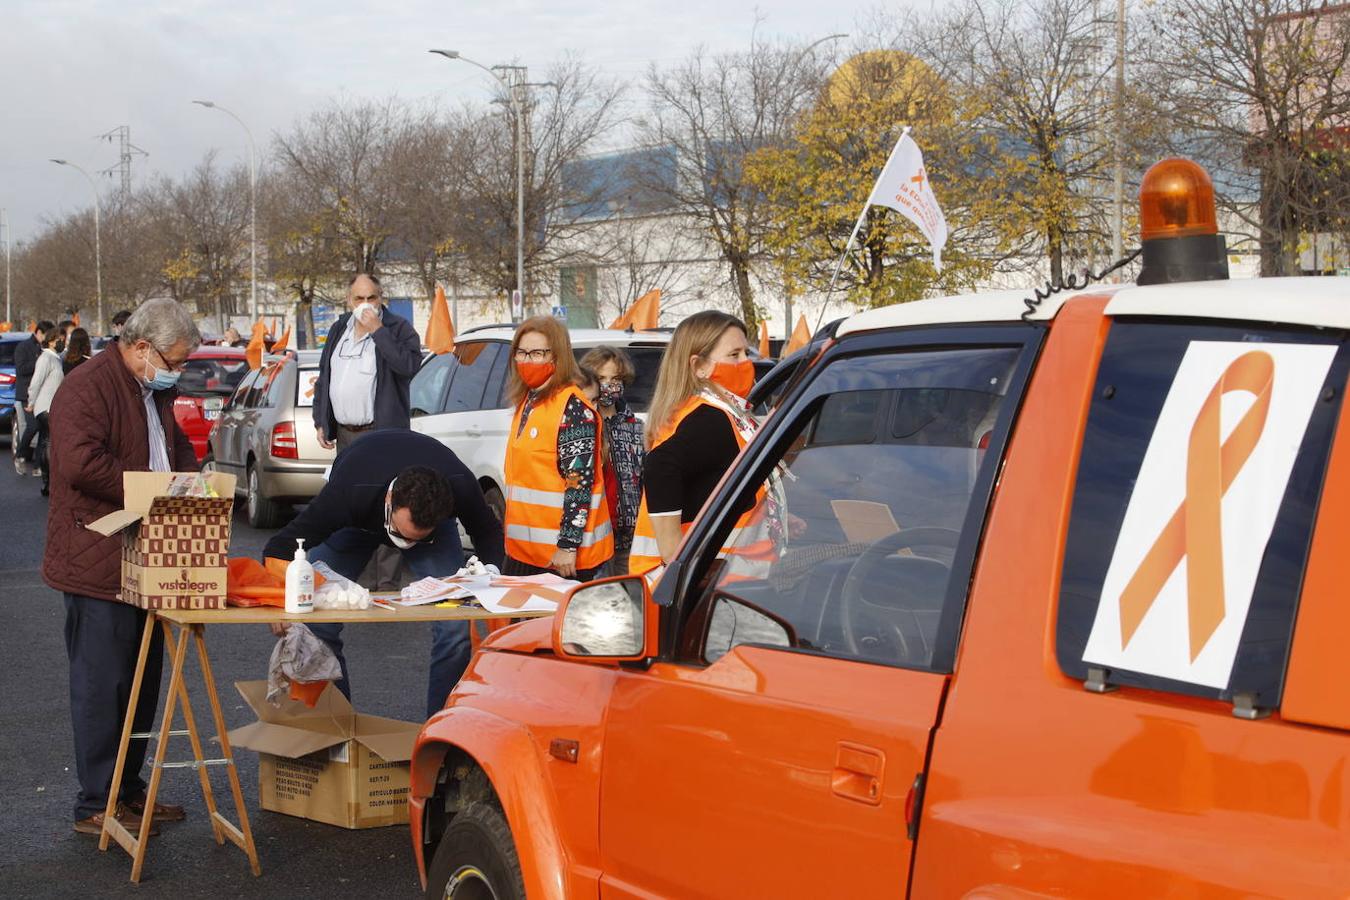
[207, 351]
[15, 335]
[1321, 302]
[581, 337]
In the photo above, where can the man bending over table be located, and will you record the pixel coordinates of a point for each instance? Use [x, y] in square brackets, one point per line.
[404, 490]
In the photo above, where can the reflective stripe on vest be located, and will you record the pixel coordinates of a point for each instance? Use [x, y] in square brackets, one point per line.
[535, 489]
[645, 554]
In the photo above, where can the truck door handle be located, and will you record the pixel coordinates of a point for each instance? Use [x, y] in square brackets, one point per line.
[858, 772]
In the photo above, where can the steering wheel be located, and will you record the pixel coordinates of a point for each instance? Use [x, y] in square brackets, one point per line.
[882, 593]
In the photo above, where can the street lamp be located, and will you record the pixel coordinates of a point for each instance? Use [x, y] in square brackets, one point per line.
[98, 252]
[252, 206]
[519, 106]
[4, 225]
[787, 297]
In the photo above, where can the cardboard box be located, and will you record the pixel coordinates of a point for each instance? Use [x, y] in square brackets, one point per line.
[173, 547]
[330, 763]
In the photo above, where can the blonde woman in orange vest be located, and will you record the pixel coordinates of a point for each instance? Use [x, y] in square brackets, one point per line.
[556, 516]
[696, 426]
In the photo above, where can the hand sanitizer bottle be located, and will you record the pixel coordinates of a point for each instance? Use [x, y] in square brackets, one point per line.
[299, 582]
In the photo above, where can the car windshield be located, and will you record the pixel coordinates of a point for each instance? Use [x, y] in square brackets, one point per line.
[7, 352]
[207, 376]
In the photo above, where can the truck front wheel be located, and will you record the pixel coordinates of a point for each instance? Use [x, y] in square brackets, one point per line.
[476, 859]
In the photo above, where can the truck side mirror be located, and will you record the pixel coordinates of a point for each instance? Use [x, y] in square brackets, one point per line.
[606, 620]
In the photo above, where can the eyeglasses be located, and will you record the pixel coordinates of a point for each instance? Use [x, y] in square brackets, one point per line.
[533, 355]
[171, 366]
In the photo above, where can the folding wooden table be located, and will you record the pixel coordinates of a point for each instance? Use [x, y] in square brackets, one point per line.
[192, 623]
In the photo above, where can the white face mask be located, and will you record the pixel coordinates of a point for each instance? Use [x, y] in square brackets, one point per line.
[398, 540]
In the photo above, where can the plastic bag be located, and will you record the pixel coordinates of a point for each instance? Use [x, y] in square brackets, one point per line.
[337, 592]
[300, 664]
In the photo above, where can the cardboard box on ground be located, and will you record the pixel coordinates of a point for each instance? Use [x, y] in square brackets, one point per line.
[174, 541]
[330, 763]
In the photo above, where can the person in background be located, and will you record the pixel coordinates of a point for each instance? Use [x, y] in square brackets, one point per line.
[65, 326]
[556, 518]
[78, 350]
[47, 375]
[696, 426]
[112, 415]
[25, 359]
[232, 338]
[366, 369]
[119, 319]
[624, 451]
[405, 492]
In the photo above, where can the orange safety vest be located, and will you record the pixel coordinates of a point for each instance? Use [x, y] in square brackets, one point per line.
[534, 489]
[748, 540]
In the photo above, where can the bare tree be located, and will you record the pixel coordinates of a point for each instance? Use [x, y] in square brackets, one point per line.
[707, 115]
[1034, 78]
[564, 120]
[1259, 92]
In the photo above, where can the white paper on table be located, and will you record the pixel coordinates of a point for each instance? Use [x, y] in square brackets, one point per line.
[429, 590]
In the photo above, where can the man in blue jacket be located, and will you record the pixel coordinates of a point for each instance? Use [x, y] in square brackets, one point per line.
[405, 492]
[366, 369]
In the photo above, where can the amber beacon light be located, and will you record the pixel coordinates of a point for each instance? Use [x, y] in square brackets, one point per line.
[1177, 225]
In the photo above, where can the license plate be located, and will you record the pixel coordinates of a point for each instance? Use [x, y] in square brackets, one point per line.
[211, 408]
[211, 414]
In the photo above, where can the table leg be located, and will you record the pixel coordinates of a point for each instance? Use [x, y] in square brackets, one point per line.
[166, 726]
[245, 836]
[114, 792]
[195, 738]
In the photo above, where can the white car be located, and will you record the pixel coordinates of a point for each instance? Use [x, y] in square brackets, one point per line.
[459, 398]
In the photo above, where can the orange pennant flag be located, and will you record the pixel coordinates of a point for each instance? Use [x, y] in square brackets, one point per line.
[801, 336]
[256, 345]
[763, 339]
[273, 330]
[75, 320]
[441, 328]
[5, 326]
[643, 315]
[282, 341]
[32, 324]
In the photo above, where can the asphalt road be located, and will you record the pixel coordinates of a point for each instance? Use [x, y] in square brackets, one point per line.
[40, 856]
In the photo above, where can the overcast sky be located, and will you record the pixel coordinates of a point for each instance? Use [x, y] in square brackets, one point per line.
[73, 69]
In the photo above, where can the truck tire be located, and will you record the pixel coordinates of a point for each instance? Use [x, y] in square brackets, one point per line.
[496, 502]
[476, 858]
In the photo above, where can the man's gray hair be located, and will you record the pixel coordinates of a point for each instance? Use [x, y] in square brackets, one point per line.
[164, 323]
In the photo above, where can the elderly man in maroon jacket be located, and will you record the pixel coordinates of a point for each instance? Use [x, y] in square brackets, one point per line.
[113, 414]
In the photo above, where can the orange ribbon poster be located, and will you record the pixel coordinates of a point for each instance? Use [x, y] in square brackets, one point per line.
[1180, 582]
[1195, 530]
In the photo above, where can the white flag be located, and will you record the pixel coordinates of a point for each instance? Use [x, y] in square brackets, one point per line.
[903, 186]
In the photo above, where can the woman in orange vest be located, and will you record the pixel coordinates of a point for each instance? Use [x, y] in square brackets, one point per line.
[696, 426]
[556, 516]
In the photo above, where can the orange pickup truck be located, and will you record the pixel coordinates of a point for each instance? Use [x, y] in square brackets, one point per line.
[1058, 609]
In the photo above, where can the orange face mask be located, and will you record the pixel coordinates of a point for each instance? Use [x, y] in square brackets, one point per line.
[737, 377]
[535, 374]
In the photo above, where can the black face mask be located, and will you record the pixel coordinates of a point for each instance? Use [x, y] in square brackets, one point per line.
[61, 346]
[610, 394]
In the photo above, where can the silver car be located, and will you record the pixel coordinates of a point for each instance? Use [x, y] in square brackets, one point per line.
[265, 438]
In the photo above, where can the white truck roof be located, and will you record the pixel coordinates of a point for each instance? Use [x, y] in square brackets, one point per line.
[1321, 302]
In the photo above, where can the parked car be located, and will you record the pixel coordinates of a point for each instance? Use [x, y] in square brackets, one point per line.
[459, 398]
[976, 666]
[265, 437]
[8, 422]
[208, 380]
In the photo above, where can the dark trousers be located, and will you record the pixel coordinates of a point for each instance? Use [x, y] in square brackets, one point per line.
[34, 445]
[103, 638]
[347, 552]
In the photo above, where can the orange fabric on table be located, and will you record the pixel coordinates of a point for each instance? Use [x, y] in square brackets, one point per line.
[254, 584]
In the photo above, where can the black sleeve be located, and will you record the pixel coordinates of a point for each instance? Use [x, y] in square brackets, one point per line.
[682, 471]
[323, 417]
[25, 360]
[477, 517]
[327, 513]
[400, 347]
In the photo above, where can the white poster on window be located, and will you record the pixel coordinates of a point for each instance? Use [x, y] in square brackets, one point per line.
[1181, 578]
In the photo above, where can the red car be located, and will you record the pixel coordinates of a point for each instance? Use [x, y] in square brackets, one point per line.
[210, 378]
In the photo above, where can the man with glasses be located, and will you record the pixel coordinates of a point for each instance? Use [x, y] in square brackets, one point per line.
[406, 492]
[112, 414]
[367, 367]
